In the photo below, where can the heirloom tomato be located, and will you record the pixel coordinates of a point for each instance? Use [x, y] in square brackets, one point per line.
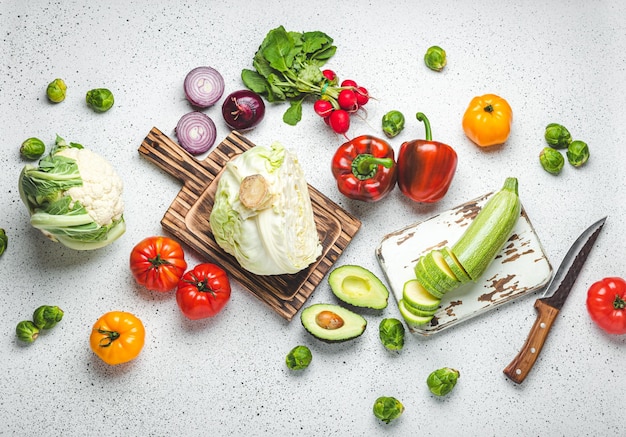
[606, 303]
[158, 263]
[117, 337]
[487, 120]
[203, 291]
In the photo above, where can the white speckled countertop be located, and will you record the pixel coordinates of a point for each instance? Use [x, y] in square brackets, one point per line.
[561, 61]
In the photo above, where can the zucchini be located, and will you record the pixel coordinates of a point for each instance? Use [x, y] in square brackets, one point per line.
[410, 318]
[454, 265]
[489, 231]
[418, 312]
[428, 282]
[439, 271]
[416, 296]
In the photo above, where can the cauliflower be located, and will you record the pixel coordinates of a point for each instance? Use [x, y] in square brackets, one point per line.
[101, 191]
[74, 197]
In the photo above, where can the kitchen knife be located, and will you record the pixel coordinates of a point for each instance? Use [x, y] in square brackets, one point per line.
[550, 304]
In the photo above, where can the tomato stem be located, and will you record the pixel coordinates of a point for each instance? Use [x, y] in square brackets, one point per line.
[157, 261]
[619, 303]
[488, 109]
[111, 336]
[201, 285]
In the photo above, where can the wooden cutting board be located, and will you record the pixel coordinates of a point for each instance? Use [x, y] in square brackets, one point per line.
[187, 219]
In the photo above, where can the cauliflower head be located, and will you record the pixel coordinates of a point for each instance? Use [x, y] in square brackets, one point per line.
[74, 196]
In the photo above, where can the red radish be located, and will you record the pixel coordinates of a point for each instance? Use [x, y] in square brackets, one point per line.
[347, 100]
[348, 83]
[330, 75]
[362, 96]
[323, 108]
[339, 121]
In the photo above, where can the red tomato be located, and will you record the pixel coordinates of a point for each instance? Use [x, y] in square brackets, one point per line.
[158, 263]
[203, 291]
[606, 303]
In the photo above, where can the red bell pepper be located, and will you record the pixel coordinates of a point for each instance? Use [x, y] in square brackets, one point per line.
[606, 303]
[425, 167]
[364, 168]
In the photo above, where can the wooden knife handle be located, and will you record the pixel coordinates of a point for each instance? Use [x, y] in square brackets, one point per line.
[525, 359]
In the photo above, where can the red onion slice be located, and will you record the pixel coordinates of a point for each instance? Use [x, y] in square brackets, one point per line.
[203, 86]
[196, 132]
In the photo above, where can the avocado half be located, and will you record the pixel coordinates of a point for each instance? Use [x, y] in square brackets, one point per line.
[358, 286]
[332, 323]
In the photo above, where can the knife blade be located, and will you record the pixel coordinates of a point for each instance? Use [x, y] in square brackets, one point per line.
[550, 304]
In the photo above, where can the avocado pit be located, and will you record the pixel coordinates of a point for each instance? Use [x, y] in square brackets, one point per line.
[329, 320]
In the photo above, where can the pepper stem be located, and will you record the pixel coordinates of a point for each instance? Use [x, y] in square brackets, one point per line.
[365, 165]
[421, 117]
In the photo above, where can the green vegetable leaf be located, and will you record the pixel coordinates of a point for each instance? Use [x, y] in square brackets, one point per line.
[294, 114]
[254, 81]
[313, 41]
[280, 50]
[276, 88]
[320, 57]
[261, 65]
[287, 67]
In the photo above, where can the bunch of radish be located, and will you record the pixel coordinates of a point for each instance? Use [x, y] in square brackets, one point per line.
[336, 107]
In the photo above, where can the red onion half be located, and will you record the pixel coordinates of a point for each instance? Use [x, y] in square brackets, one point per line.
[196, 132]
[203, 86]
[243, 109]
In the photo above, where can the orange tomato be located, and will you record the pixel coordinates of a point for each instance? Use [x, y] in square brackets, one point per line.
[487, 120]
[117, 337]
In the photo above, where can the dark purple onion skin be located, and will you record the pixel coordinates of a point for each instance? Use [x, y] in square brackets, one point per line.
[243, 110]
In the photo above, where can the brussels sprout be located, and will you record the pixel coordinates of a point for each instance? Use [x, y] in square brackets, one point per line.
[32, 148]
[299, 358]
[393, 123]
[442, 381]
[557, 136]
[4, 241]
[27, 331]
[435, 58]
[387, 408]
[391, 332]
[46, 316]
[577, 153]
[100, 99]
[551, 160]
[56, 90]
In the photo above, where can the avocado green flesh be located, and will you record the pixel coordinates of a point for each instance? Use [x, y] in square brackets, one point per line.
[353, 324]
[358, 286]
